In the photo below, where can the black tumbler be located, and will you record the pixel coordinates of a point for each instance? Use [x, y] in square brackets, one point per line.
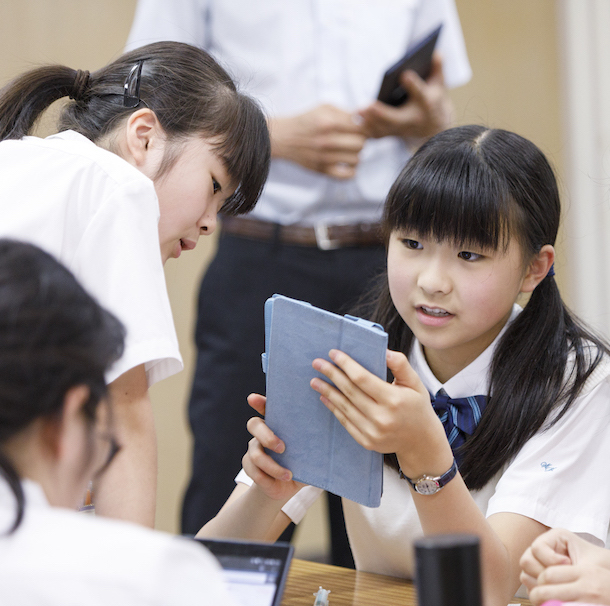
[448, 570]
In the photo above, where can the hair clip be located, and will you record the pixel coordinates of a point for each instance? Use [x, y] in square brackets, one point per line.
[131, 88]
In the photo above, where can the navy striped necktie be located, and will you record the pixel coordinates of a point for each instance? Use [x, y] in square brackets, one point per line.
[459, 416]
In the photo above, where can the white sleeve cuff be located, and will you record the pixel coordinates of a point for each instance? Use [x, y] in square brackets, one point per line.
[297, 507]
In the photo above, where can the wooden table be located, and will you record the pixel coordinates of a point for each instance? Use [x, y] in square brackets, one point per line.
[348, 587]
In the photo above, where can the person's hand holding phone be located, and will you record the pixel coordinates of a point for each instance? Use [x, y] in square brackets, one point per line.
[427, 111]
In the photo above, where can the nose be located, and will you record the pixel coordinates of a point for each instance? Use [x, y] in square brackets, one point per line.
[207, 223]
[435, 277]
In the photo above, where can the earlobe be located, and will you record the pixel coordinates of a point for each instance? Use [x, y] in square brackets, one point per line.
[538, 268]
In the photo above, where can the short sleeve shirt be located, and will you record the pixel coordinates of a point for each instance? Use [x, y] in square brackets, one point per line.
[99, 216]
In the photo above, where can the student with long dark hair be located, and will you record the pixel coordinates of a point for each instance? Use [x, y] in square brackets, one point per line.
[149, 149]
[497, 421]
[56, 432]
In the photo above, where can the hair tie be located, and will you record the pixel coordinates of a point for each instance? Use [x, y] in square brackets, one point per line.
[80, 88]
[551, 271]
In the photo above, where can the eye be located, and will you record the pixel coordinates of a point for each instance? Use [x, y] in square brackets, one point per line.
[216, 185]
[469, 256]
[412, 244]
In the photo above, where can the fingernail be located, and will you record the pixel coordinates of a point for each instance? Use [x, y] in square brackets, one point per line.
[287, 476]
[280, 448]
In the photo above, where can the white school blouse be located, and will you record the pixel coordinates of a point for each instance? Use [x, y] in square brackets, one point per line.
[99, 216]
[294, 56]
[59, 557]
[559, 478]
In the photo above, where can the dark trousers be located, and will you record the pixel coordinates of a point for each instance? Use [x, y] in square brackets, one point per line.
[230, 341]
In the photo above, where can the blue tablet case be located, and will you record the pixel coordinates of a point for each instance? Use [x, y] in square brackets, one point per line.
[319, 450]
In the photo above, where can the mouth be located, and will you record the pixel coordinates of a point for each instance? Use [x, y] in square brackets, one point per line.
[187, 244]
[434, 312]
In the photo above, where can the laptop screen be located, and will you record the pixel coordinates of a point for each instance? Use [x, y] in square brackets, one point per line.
[255, 572]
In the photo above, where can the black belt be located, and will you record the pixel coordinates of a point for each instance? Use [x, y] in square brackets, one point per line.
[321, 235]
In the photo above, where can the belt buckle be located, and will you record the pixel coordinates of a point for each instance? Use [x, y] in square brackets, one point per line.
[323, 240]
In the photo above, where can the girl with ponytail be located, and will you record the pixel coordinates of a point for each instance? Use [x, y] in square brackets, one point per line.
[497, 420]
[148, 149]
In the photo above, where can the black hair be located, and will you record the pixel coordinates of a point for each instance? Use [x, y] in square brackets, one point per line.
[53, 336]
[189, 92]
[479, 186]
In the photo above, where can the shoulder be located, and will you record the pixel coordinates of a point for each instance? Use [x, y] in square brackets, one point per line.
[78, 156]
[111, 558]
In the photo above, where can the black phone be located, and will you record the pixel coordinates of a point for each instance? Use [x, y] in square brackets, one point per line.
[419, 59]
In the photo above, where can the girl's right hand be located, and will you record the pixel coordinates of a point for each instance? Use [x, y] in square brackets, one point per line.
[270, 477]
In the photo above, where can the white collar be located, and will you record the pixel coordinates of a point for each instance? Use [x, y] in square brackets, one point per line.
[470, 381]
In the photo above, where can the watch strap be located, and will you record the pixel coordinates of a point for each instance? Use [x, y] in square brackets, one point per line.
[438, 481]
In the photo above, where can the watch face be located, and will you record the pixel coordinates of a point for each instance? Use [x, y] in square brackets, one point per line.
[427, 486]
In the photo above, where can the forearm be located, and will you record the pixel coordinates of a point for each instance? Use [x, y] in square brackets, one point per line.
[248, 514]
[127, 489]
[453, 511]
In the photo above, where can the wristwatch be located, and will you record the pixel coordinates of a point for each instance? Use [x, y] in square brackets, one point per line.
[428, 484]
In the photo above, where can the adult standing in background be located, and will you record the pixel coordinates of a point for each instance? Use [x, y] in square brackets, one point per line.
[316, 66]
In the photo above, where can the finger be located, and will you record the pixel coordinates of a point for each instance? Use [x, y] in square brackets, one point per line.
[257, 402]
[558, 575]
[530, 565]
[529, 581]
[347, 144]
[415, 87]
[550, 550]
[349, 376]
[403, 371]
[356, 424]
[561, 593]
[436, 72]
[261, 467]
[261, 431]
[340, 170]
[347, 122]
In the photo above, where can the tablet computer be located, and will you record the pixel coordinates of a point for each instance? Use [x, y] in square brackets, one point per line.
[419, 59]
[255, 572]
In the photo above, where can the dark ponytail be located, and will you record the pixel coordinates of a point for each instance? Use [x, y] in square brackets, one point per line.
[53, 336]
[479, 186]
[23, 101]
[189, 92]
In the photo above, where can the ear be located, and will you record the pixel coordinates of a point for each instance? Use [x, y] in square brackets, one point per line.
[538, 268]
[144, 141]
[65, 432]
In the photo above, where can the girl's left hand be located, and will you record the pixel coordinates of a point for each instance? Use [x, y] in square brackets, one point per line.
[381, 416]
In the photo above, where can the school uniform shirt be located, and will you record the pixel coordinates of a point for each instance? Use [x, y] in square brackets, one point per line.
[99, 216]
[294, 56]
[58, 557]
[559, 478]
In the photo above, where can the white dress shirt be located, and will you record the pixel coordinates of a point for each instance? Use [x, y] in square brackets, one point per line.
[99, 216]
[559, 477]
[294, 56]
[59, 557]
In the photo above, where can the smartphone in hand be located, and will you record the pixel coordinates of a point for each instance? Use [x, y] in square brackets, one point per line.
[419, 59]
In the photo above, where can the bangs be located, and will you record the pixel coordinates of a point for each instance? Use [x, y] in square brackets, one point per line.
[245, 149]
[450, 194]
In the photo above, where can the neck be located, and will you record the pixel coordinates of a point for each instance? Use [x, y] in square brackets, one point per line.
[444, 366]
[446, 363]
